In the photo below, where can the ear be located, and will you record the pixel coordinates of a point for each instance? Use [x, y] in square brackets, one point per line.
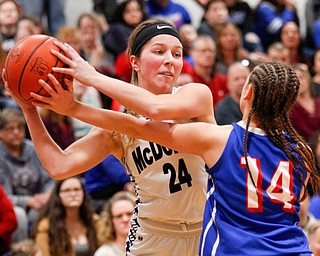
[135, 64]
[248, 93]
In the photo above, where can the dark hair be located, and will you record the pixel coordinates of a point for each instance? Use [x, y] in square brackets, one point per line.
[59, 239]
[275, 88]
[119, 11]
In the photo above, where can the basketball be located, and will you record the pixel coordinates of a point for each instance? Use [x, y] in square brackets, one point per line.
[28, 61]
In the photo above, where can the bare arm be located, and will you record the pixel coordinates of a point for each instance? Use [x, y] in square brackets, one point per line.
[78, 157]
[203, 139]
[191, 101]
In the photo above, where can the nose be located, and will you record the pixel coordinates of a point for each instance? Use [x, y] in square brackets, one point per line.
[168, 58]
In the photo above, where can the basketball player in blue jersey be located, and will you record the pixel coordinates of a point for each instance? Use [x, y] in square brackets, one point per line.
[258, 167]
[170, 186]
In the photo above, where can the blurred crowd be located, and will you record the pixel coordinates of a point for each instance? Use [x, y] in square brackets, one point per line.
[90, 214]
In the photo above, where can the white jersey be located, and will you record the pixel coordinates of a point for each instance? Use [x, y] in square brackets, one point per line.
[171, 186]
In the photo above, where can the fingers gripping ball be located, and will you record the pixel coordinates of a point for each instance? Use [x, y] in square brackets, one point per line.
[30, 60]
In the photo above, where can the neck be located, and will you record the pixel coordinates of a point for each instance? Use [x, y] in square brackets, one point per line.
[72, 214]
[229, 56]
[121, 241]
[9, 30]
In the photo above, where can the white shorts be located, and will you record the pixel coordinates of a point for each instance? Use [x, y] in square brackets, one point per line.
[153, 238]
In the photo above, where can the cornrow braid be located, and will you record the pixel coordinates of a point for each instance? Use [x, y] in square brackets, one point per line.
[275, 89]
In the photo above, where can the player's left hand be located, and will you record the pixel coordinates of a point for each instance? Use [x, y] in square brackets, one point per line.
[60, 100]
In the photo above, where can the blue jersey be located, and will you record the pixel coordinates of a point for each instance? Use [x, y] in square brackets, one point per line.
[259, 217]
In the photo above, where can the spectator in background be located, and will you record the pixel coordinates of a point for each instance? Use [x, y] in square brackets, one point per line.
[92, 48]
[278, 52]
[71, 36]
[53, 10]
[228, 109]
[105, 179]
[290, 37]
[240, 14]
[10, 12]
[105, 10]
[316, 70]
[229, 47]
[187, 34]
[215, 14]
[27, 26]
[8, 222]
[314, 143]
[269, 17]
[21, 174]
[203, 53]
[115, 224]
[168, 10]
[90, 96]
[305, 113]
[67, 225]
[126, 17]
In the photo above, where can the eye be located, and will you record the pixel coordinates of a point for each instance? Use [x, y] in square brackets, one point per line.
[177, 54]
[159, 52]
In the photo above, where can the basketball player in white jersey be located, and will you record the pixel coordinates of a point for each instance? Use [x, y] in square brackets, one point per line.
[170, 186]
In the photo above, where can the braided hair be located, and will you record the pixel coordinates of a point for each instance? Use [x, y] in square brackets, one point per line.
[275, 88]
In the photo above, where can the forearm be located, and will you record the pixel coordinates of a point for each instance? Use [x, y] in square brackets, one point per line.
[132, 97]
[47, 150]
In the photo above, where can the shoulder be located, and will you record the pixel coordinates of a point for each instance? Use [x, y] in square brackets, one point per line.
[194, 89]
[43, 225]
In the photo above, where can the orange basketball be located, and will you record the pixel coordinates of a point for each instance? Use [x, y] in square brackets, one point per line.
[30, 60]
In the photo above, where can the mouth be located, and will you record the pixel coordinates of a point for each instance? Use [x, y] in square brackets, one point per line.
[166, 74]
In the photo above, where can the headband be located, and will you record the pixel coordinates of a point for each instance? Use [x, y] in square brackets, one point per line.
[151, 31]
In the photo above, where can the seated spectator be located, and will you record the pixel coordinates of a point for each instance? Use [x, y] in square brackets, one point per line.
[27, 26]
[314, 144]
[168, 10]
[71, 36]
[278, 52]
[187, 34]
[52, 10]
[87, 95]
[25, 247]
[105, 179]
[203, 53]
[305, 113]
[67, 224]
[115, 224]
[229, 47]
[10, 11]
[240, 14]
[8, 222]
[126, 17]
[215, 14]
[21, 174]
[290, 37]
[269, 17]
[228, 109]
[316, 70]
[92, 48]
